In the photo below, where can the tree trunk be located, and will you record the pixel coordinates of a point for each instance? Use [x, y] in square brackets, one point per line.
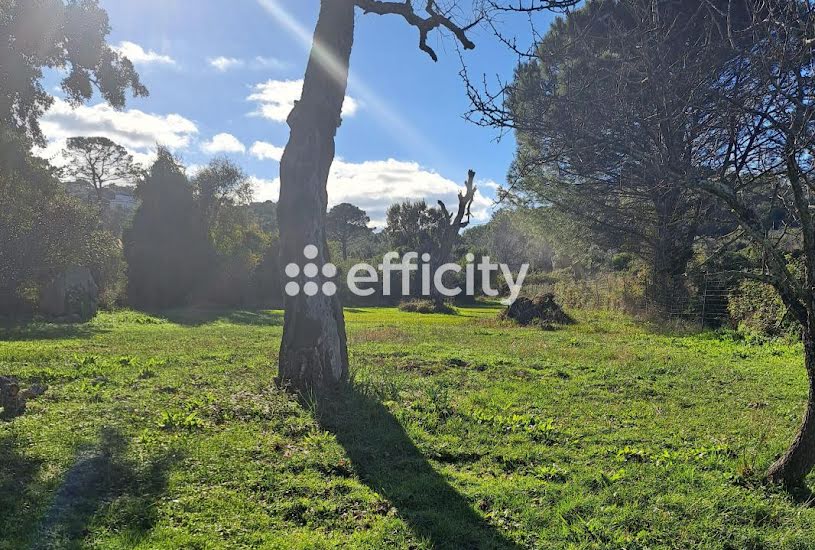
[439, 258]
[792, 468]
[313, 352]
[672, 250]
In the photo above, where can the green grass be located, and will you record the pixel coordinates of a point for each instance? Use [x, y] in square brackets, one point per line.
[460, 432]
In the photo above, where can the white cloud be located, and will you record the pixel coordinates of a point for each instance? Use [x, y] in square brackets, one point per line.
[223, 64]
[264, 189]
[276, 99]
[266, 151]
[223, 143]
[146, 159]
[139, 56]
[375, 185]
[132, 128]
[135, 130]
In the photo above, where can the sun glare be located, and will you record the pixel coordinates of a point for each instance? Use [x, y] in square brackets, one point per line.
[387, 116]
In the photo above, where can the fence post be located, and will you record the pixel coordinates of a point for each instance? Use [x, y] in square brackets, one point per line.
[597, 293]
[704, 303]
[646, 296]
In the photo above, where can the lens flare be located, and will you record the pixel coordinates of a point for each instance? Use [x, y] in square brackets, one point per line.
[384, 113]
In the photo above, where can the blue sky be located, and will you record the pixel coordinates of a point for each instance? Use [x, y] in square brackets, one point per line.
[403, 135]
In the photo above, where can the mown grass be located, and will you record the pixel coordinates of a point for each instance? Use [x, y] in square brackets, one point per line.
[459, 432]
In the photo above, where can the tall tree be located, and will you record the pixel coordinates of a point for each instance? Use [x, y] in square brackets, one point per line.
[99, 162]
[346, 222]
[413, 226]
[451, 225]
[223, 194]
[166, 247]
[220, 184]
[613, 95]
[762, 136]
[313, 352]
[44, 231]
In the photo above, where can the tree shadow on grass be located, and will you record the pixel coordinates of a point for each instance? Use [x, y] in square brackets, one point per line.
[389, 463]
[38, 330]
[19, 489]
[104, 482]
[195, 317]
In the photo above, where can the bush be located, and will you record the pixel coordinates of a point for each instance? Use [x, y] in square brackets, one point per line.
[756, 307]
[622, 261]
[426, 306]
[44, 232]
[266, 286]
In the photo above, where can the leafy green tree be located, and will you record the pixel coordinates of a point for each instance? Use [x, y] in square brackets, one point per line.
[413, 226]
[99, 162]
[218, 186]
[44, 232]
[345, 223]
[265, 214]
[764, 127]
[614, 96]
[166, 248]
[223, 193]
[57, 35]
[513, 237]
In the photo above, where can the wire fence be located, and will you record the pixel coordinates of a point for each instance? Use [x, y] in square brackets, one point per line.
[700, 297]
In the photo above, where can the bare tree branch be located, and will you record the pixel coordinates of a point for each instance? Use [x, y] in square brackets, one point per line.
[432, 21]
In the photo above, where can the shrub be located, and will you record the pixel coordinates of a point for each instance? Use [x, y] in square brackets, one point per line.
[757, 307]
[426, 306]
[622, 261]
[43, 231]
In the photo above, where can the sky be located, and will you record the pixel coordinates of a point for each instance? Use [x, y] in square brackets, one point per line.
[223, 75]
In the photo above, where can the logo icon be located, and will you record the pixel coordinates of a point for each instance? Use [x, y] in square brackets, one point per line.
[311, 272]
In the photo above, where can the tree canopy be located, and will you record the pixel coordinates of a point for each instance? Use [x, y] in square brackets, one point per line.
[166, 247]
[346, 222]
[57, 35]
[99, 162]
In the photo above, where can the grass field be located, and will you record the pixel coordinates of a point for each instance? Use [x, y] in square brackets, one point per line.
[459, 432]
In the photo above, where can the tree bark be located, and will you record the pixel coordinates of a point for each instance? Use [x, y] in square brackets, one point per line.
[313, 352]
[795, 464]
[453, 225]
[672, 251]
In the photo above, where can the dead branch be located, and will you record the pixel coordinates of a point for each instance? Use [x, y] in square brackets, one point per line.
[434, 20]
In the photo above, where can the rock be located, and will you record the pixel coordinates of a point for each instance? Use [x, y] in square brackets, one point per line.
[542, 310]
[33, 392]
[72, 296]
[12, 400]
